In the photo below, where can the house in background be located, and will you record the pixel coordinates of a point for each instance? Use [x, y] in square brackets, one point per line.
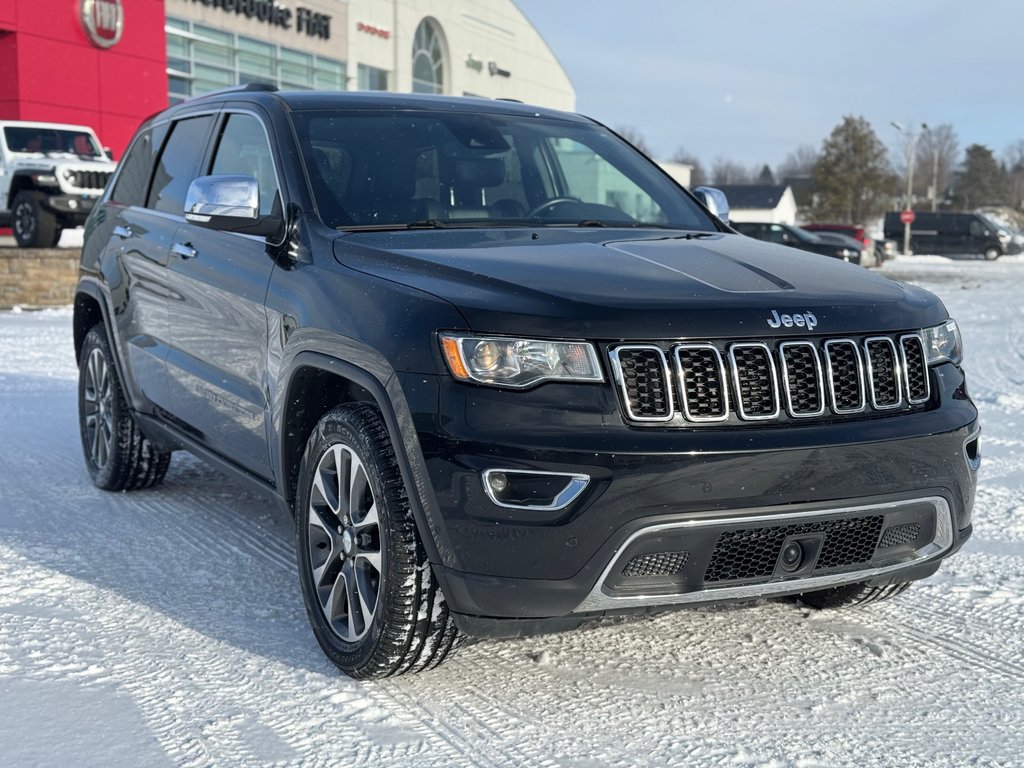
[771, 203]
[681, 172]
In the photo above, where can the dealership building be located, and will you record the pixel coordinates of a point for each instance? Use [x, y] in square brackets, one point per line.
[111, 63]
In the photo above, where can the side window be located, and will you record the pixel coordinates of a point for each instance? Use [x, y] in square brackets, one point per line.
[777, 234]
[179, 164]
[978, 229]
[130, 187]
[243, 149]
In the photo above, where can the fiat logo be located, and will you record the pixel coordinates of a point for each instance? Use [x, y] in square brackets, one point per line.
[103, 21]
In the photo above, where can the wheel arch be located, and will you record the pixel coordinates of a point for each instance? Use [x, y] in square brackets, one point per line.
[316, 384]
[89, 309]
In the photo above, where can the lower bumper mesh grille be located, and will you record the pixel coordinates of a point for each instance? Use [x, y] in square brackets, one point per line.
[751, 553]
[657, 564]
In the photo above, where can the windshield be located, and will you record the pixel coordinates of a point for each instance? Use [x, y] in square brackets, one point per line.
[396, 168]
[51, 141]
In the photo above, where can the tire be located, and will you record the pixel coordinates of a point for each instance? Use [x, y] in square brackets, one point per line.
[850, 595]
[992, 254]
[370, 594]
[117, 455]
[34, 226]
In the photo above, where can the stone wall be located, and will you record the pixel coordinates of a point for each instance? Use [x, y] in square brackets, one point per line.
[37, 277]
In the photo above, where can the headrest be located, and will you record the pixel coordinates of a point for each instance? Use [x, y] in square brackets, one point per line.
[481, 172]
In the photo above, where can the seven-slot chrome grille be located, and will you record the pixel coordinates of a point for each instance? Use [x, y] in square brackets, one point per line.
[83, 179]
[751, 381]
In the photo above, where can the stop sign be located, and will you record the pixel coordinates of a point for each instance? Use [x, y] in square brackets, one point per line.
[907, 217]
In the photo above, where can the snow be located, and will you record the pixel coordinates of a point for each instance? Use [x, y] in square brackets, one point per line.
[165, 627]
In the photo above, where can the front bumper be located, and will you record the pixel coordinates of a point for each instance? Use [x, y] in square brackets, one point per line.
[513, 567]
[75, 208]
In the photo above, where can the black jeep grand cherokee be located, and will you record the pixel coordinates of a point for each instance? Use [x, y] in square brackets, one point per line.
[506, 373]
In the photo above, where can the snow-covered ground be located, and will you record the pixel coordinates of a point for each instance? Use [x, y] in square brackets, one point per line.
[166, 627]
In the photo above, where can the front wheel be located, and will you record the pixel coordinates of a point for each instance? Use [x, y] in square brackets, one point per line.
[991, 254]
[33, 225]
[117, 455]
[851, 595]
[370, 594]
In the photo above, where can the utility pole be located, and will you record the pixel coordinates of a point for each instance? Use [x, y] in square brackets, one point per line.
[909, 205]
[933, 190]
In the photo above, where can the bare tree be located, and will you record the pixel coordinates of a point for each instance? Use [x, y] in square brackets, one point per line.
[799, 163]
[634, 137]
[730, 172]
[937, 149]
[698, 175]
[1013, 157]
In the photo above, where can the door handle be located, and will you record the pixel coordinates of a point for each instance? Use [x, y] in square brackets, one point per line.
[123, 232]
[185, 250]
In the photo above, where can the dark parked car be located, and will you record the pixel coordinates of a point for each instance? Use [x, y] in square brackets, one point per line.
[857, 232]
[951, 234]
[795, 237]
[500, 394]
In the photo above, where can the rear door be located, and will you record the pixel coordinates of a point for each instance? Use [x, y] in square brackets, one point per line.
[218, 319]
[134, 264]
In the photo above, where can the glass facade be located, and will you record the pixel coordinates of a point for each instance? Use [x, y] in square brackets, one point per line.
[201, 59]
[371, 78]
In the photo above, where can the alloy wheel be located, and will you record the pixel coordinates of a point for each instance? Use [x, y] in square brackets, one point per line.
[344, 537]
[98, 402]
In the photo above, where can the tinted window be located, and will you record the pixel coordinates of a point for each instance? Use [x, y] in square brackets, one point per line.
[130, 187]
[51, 141]
[179, 164]
[396, 167]
[244, 149]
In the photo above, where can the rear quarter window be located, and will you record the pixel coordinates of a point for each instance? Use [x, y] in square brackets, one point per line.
[133, 175]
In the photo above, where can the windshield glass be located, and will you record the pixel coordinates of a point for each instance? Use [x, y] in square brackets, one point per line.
[51, 141]
[395, 168]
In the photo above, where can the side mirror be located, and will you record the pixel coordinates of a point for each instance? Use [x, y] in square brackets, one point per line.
[110, 153]
[229, 203]
[715, 201]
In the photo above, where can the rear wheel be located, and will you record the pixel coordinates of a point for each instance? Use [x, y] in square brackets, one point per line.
[33, 225]
[852, 594]
[117, 455]
[370, 594]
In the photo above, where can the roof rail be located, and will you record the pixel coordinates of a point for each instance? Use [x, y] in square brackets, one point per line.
[250, 87]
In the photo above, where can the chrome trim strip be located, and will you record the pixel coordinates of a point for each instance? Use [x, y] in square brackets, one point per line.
[723, 377]
[617, 371]
[817, 379]
[575, 486]
[599, 600]
[895, 369]
[974, 464]
[736, 380]
[906, 369]
[832, 379]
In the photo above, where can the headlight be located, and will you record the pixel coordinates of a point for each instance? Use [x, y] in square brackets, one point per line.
[943, 343]
[518, 363]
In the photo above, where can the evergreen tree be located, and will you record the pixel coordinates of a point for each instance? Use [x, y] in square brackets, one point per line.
[981, 180]
[853, 180]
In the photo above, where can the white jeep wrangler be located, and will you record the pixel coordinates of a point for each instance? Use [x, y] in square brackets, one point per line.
[50, 177]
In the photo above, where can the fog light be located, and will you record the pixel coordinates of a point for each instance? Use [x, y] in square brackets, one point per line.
[532, 489]
[498, 482]
[72, 204]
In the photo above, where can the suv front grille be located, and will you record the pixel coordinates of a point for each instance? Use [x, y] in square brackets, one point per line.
[704, 382]
[89, 179]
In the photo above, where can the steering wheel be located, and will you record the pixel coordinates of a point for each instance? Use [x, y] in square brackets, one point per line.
[551, 204]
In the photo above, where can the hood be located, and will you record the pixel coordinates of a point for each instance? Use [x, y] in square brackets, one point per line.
[621, 284]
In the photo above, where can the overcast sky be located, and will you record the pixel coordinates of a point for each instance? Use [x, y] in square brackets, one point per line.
[751, 80]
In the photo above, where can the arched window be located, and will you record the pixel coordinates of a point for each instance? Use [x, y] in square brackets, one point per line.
[428, 58]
